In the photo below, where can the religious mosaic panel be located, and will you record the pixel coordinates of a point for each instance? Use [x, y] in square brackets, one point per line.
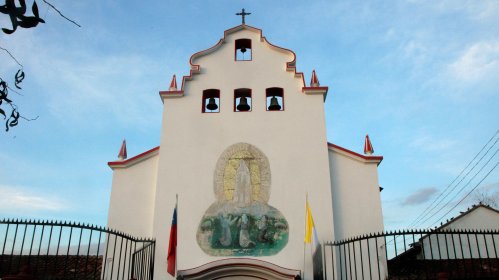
[240, 222]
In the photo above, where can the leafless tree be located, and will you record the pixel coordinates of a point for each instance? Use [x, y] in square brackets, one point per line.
[16, 11]
[487, 197]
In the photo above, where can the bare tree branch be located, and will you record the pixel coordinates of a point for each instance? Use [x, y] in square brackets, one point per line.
[487, 197]
[26, 119]
[53, 7]
[12, 57]
[19, 19]
[13, 90]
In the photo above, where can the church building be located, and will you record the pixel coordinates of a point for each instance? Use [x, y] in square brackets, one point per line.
[243, 146]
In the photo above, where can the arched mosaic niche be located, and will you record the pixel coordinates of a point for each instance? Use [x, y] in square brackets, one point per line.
[226, 168]
[240, 222]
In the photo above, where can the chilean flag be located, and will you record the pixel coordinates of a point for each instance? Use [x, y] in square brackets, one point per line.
[172, 245]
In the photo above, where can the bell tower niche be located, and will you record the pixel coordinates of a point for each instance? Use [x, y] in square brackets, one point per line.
[242, 100]
[211, 101]
[275, 99]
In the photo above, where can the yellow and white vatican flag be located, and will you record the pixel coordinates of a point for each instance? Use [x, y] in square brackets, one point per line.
[310, 231]
[312, 239]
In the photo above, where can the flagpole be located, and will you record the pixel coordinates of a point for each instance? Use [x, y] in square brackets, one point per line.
[172, 243]
[304, 244]
[176, 209]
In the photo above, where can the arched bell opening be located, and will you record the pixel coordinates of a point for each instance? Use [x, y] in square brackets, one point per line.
[242, 100]
[211, 101]
[275, 99]
[241, 268]
[243, 51]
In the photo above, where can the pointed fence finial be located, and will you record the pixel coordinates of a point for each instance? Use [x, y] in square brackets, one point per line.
[368, 147]
[122, 155]
[314, 82]
[173, 84]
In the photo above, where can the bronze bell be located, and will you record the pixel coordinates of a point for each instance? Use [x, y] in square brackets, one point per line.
[243, 104]
[211, 104]
[274, 104]
[243, 49]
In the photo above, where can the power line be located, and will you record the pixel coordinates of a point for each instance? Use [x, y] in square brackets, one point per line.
[430, 208]
[460, 190]
[432, 205]
[462, 199]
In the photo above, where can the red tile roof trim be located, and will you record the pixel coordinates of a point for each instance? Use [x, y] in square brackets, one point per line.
[168, 93]
[132, 160]
[369, 158]
[315, 88]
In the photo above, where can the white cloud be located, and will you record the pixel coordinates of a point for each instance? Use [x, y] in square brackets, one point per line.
[477, 63]
[416, 51]
[82, 86]
[14, 200]
[435, 153]
[98, 88]
[431, 144]
[489, 10]
[481, 10]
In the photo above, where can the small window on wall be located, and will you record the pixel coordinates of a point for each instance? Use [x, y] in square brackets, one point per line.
[275, 99]
[242, 100]
[243, 50]
[211, 101]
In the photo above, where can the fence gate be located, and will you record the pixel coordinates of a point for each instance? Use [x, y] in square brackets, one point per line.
[46, 250]
[415, 254]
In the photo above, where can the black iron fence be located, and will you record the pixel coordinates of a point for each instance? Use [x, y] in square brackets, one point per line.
[64, 250]
[143, 262]
[415, 254]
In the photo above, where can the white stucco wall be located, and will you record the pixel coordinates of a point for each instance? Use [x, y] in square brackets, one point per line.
[480, 218]
[294, 140]
[357, 209]
[451, 246]
[356, 196]
[132, 198]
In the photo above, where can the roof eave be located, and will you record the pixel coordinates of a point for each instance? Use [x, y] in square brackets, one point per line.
[133, 160]
[315, 90]
[352, 154]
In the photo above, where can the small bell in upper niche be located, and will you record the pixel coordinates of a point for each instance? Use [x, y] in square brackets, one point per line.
[243, 104]
[274, 104]
[212, 105]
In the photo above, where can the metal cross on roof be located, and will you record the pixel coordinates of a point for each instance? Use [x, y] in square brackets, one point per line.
[243, 14]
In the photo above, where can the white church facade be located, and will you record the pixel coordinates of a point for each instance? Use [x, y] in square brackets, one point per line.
[243, 143]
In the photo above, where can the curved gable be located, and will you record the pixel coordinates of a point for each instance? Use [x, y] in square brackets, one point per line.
[199, 61]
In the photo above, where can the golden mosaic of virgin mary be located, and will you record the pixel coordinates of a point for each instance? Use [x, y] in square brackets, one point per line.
[240, 222]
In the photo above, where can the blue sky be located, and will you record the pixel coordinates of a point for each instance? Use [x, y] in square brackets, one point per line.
[421, 77]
